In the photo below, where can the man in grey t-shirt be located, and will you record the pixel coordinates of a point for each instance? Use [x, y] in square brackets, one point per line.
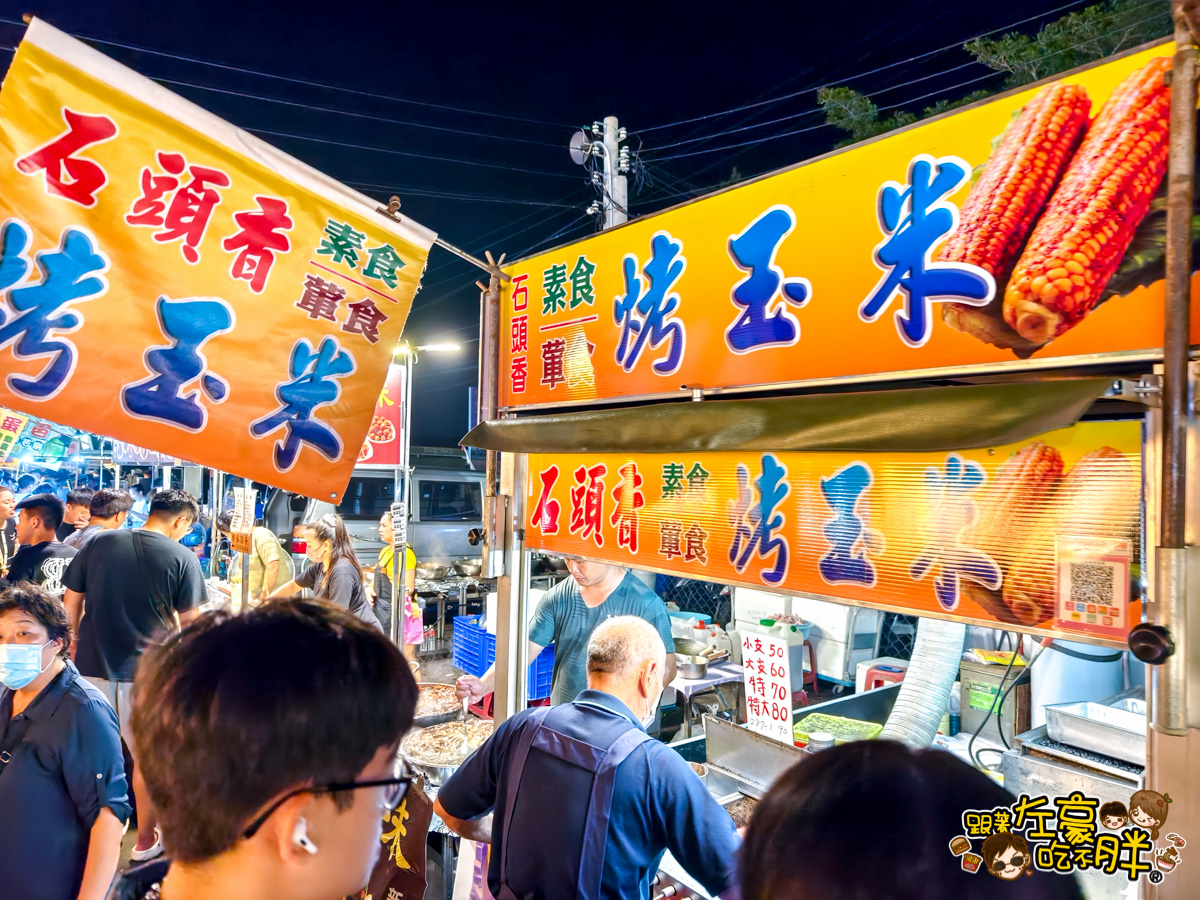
[568, 614]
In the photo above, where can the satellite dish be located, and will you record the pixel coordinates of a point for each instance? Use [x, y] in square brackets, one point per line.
[581, 148]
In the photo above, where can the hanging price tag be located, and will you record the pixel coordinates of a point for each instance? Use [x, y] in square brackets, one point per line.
[399, 523]
[768, 679]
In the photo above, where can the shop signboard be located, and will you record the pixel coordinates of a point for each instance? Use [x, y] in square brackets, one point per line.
[970, 535]
[381, 449]
[44, 442]
[768, 682]
[173, 282]
[988, 238]
[11, 425]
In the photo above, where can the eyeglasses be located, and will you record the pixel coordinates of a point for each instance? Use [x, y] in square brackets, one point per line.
[1016, 862]
[397, 788]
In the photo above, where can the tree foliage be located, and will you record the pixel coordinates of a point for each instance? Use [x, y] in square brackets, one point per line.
[1074, 40]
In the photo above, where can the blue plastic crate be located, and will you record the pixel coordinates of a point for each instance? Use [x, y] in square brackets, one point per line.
[475, 650]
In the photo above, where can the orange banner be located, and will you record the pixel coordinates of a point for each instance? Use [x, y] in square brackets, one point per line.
[177, 284]
[1016, 233]
[971, 535]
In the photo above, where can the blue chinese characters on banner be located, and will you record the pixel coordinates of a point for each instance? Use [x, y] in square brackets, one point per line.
[314, 383]
[756, 522]
[645, 316]
[953, 512]
[36, 316]
[850, 539]
[914, 218]
[188, 324]
[765, 295]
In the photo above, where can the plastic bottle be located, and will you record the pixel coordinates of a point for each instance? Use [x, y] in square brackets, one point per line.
[955, 714]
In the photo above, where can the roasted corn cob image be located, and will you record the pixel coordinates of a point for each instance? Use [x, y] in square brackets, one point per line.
[1099, 497]
[1008, 508]
[1087, 226]
[1002, 207]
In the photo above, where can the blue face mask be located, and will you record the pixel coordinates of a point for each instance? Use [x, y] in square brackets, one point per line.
[21, 664]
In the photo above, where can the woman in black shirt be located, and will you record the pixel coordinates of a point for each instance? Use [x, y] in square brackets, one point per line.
[334, 573]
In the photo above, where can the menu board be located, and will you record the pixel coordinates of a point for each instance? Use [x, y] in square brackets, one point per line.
[768, 678]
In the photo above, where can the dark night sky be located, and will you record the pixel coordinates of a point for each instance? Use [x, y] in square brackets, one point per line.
[560, 65]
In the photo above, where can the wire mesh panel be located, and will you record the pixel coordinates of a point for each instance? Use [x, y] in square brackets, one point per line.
[896, 635]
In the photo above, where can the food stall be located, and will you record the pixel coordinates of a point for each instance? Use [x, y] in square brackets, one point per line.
[922, 375]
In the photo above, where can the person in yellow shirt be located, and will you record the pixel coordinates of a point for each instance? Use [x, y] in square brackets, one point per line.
[413, 626]
[270, 564]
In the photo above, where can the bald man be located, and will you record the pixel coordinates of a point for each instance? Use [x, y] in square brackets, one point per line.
[579, 802]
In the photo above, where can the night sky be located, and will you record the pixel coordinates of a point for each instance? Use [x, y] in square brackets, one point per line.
[519, 78]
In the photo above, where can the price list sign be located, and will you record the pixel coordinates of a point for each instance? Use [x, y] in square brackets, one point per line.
[768, 686]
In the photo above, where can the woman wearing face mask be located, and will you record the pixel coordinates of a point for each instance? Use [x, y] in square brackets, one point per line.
[63, 795]
[334, 572]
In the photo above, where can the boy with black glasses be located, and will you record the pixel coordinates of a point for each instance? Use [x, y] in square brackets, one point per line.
[270, 743]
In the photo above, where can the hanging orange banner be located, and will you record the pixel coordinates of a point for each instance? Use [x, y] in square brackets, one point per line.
[1024, 232]
[173, 282]
[970, 535]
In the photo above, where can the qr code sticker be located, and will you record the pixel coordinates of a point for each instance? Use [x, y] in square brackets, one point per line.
[1093, 582]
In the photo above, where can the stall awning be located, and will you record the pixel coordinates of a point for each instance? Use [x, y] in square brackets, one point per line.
[918, 420]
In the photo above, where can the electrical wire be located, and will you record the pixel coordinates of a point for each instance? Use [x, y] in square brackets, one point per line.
[550, 240]
[971, 743]
[447, 195]
[388, 150]
[357, 115]
[303, 81]
[873, 71]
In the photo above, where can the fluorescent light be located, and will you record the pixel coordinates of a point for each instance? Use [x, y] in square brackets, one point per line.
[440, 348]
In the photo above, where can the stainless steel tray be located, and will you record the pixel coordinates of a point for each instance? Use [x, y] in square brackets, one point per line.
[1108, 730]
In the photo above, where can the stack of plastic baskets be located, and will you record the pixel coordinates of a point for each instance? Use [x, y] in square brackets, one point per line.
[475, 651]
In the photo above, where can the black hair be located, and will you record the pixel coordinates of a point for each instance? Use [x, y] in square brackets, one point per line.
[173, 504]
[994, 846]
[236, 710]
[225, 521]
[24, 481]
[1114, 809]
[80, 497]
[875, 819]
[331, 528]
[107, 503]
[48, 609]
[46, 507]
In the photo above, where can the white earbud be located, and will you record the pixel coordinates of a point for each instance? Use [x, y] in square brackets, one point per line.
[300, 837]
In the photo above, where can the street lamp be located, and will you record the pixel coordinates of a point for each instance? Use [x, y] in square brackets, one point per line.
[404, 484]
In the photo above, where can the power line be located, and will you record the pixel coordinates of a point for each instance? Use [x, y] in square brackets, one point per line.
[357, 115]
[449, 159]
[447, 195]
[306, 82]
[553, 237]
[874, 71]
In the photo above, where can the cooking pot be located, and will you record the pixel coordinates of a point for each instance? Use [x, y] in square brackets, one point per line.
[690, 667]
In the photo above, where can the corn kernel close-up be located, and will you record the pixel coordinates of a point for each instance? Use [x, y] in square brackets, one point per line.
[1002, 207]
[1080, 239]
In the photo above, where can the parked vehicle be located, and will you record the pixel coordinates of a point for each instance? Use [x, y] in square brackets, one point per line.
[445, 505]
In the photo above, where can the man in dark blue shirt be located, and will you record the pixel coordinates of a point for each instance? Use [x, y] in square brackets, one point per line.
[583, 802]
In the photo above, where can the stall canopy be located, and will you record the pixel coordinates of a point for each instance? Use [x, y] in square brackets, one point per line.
[920, 420]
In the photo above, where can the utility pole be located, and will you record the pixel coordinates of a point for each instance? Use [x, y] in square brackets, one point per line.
[616, 164]
[606, 141]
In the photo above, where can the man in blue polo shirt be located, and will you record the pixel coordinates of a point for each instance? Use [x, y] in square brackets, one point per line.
[568, 614]
[579, 802]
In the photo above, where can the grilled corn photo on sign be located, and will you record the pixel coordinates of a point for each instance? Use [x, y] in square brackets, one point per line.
[970, 535]
[1027, 230]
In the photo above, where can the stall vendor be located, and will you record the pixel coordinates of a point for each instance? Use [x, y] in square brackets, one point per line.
[414, 629]
[578, 801]
[568, 614]
[270, 564]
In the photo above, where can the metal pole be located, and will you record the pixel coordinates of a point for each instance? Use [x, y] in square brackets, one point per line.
[489, 367]
[245, 605]
[400, 541]
[1168, 688]
[395, 627]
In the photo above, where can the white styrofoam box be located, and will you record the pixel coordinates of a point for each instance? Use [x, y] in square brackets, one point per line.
[750, 605]
[535, 594]
[860, 670]
[837, 621]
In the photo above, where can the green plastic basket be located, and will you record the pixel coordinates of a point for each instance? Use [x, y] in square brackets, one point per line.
[842, 729]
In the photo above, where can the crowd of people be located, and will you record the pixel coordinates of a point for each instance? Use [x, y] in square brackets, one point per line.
[259, 752]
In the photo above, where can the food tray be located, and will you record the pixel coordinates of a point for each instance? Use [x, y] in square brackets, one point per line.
[842, 729]
[1107, 730]
[474, 652]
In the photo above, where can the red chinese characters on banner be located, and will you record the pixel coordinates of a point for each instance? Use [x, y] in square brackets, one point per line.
[587, 503]
[364, 318]
[260, 238]
[768, 686]
[545, 513]
[519, 348]
[185, 215]
[628, 497]
[69, 176]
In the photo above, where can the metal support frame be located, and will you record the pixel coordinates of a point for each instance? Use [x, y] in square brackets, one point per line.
[512, 592]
